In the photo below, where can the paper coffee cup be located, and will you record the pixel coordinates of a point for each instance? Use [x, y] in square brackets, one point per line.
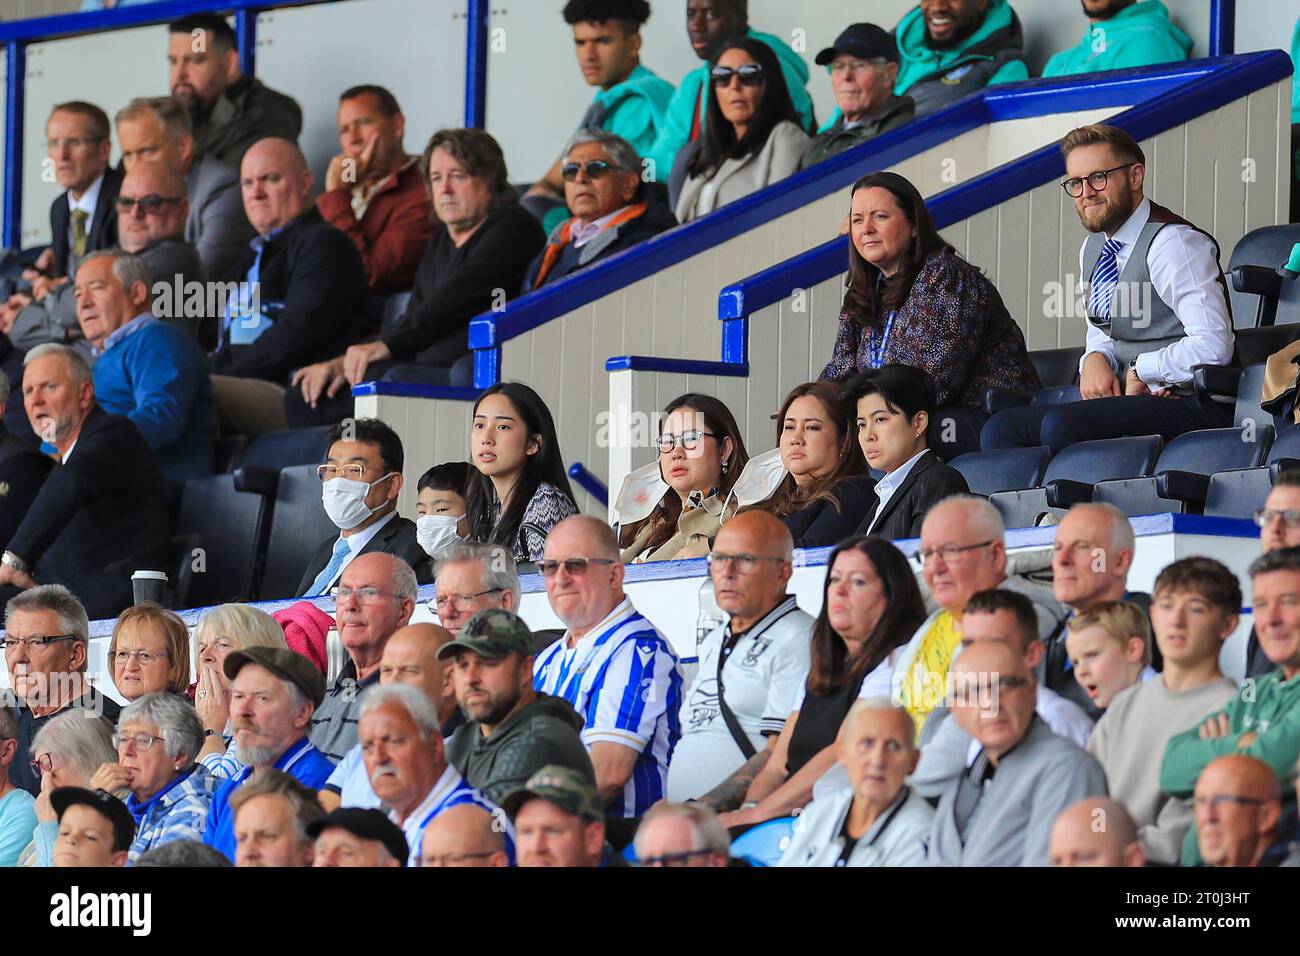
[149, 586]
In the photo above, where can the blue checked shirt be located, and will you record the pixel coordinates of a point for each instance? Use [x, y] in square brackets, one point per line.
[180, 812]
[624, 680]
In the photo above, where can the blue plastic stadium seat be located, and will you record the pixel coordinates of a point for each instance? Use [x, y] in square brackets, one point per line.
[1071, 475]
[228, 525]
[298, 526]
[295, 446]
[1057, 367]
[1237, 493]
[1286, 447]
[763, 845]
[1181, 481]
[988, 472]
[1248, 392]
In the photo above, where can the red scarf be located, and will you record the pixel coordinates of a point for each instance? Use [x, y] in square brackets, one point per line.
[553, 249]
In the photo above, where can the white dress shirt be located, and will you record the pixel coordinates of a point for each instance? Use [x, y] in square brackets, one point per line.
[887, 485]
[584, 232]
[1184, 274]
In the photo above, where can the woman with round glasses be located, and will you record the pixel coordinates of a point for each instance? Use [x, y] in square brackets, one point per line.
[66, 752]
[149, 652]
[701, 454]
[158, 739]
[871, 605]
[751, 137]
[826, 489]
[912, 300]
[521, 490]
[225, 628]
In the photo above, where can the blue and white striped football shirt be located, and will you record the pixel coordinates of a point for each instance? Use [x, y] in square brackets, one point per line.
[623, 678]
[451, 790]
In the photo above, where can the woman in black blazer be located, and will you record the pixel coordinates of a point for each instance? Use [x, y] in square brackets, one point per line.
[895, 405]
[826, 490]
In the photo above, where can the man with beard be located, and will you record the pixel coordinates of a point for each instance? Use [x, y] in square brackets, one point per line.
[229, 111]
[1157, 307]
[273, 694]
[1122, 34]
[512, 731]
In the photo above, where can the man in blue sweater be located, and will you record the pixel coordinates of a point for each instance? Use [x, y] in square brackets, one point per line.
[146, 370]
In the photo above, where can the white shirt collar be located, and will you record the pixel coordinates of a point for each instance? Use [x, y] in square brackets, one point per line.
[887, 485]
[362, 538]
[68, 454]
[88, 201]
[583, 232]
[1133, 225]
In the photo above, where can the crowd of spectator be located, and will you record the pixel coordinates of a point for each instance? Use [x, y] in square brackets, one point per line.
[965, 715]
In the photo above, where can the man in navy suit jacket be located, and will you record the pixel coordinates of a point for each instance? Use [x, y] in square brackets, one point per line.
[101, 513]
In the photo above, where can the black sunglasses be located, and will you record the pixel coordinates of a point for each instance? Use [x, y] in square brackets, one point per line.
[751, 74]
[150, 203]
[594, 168]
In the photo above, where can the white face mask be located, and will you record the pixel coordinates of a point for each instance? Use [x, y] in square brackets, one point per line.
[345, 501]
[642, 491]
[435, 532]
[762, 474]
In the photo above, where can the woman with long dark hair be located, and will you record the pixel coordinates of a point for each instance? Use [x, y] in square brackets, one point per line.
[521, 490]
[871, 606]
[752, 137]
[826, 489]
[701, 454]
[911, 300]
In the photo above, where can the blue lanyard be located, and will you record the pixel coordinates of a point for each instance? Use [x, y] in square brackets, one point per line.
[878, 357]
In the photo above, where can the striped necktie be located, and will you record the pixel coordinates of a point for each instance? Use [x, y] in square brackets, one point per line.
[1104, 279]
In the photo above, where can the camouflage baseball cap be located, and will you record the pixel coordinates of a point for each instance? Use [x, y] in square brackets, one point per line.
[491, 633]
[566, 788]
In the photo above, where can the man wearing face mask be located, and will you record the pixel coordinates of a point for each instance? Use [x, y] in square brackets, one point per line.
[360, 481]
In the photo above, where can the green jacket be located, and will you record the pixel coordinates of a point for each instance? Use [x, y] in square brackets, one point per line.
[1270, 708]
[994, 53]
[633, 109]
[676, 131]
[246, 112]
[834, 138]
[545, 732]
[1140, 35]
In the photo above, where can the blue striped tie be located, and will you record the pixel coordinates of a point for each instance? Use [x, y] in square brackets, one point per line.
[1104, 279]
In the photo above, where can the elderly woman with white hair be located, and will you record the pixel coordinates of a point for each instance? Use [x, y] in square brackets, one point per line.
[158, 738]
[66, 752]
[879, 821]
[226, 628]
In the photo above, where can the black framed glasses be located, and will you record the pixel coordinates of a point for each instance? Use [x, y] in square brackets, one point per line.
[750, 74]
[1097, 180]
[574, 567]
[1266, 516]
[950, 552]
[42, 641]
[674, 859]
[594, 168]
[149, 205]
[744, 563]
[689, 440]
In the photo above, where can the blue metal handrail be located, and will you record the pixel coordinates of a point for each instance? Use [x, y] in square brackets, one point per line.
[16, 34]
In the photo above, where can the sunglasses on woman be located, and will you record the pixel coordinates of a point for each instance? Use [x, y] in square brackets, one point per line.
[751, 74]
[594, 168]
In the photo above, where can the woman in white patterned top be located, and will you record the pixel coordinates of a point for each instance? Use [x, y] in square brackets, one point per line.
[521, 490]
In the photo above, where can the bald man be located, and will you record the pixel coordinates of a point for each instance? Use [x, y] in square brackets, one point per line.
[301, 293]
[464, 835]
[1238, 801]
[611, 665]
[1096, 831]
[755, 663]
[409, 656]
[1000, 812]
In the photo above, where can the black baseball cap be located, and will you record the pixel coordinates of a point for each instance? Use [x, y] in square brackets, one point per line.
[368, 824]
[865, 40]
[102, 802]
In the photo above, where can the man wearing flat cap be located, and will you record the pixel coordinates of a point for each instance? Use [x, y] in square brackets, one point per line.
[273, 693]
[356, 836]
[863, 65]
[95, 828]
[559, 821]
[512, 731]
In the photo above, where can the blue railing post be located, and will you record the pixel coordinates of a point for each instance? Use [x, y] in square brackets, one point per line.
[476, 50]
[1223, 27]
[246, 40]
[15, 77]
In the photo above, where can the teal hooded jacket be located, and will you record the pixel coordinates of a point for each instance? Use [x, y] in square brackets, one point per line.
[1140, 35]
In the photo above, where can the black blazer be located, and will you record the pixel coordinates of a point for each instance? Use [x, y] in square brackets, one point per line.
[103, 226]
[98, 518]
[396, 538]
[22, 472]
[821, 524]
[929, 481]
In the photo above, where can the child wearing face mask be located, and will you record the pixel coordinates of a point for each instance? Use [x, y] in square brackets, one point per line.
[441, 506]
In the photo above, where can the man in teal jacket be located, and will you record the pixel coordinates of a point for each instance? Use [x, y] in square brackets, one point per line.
[1122, 33]
[950, 48]
[630, 100]
[710, 24]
